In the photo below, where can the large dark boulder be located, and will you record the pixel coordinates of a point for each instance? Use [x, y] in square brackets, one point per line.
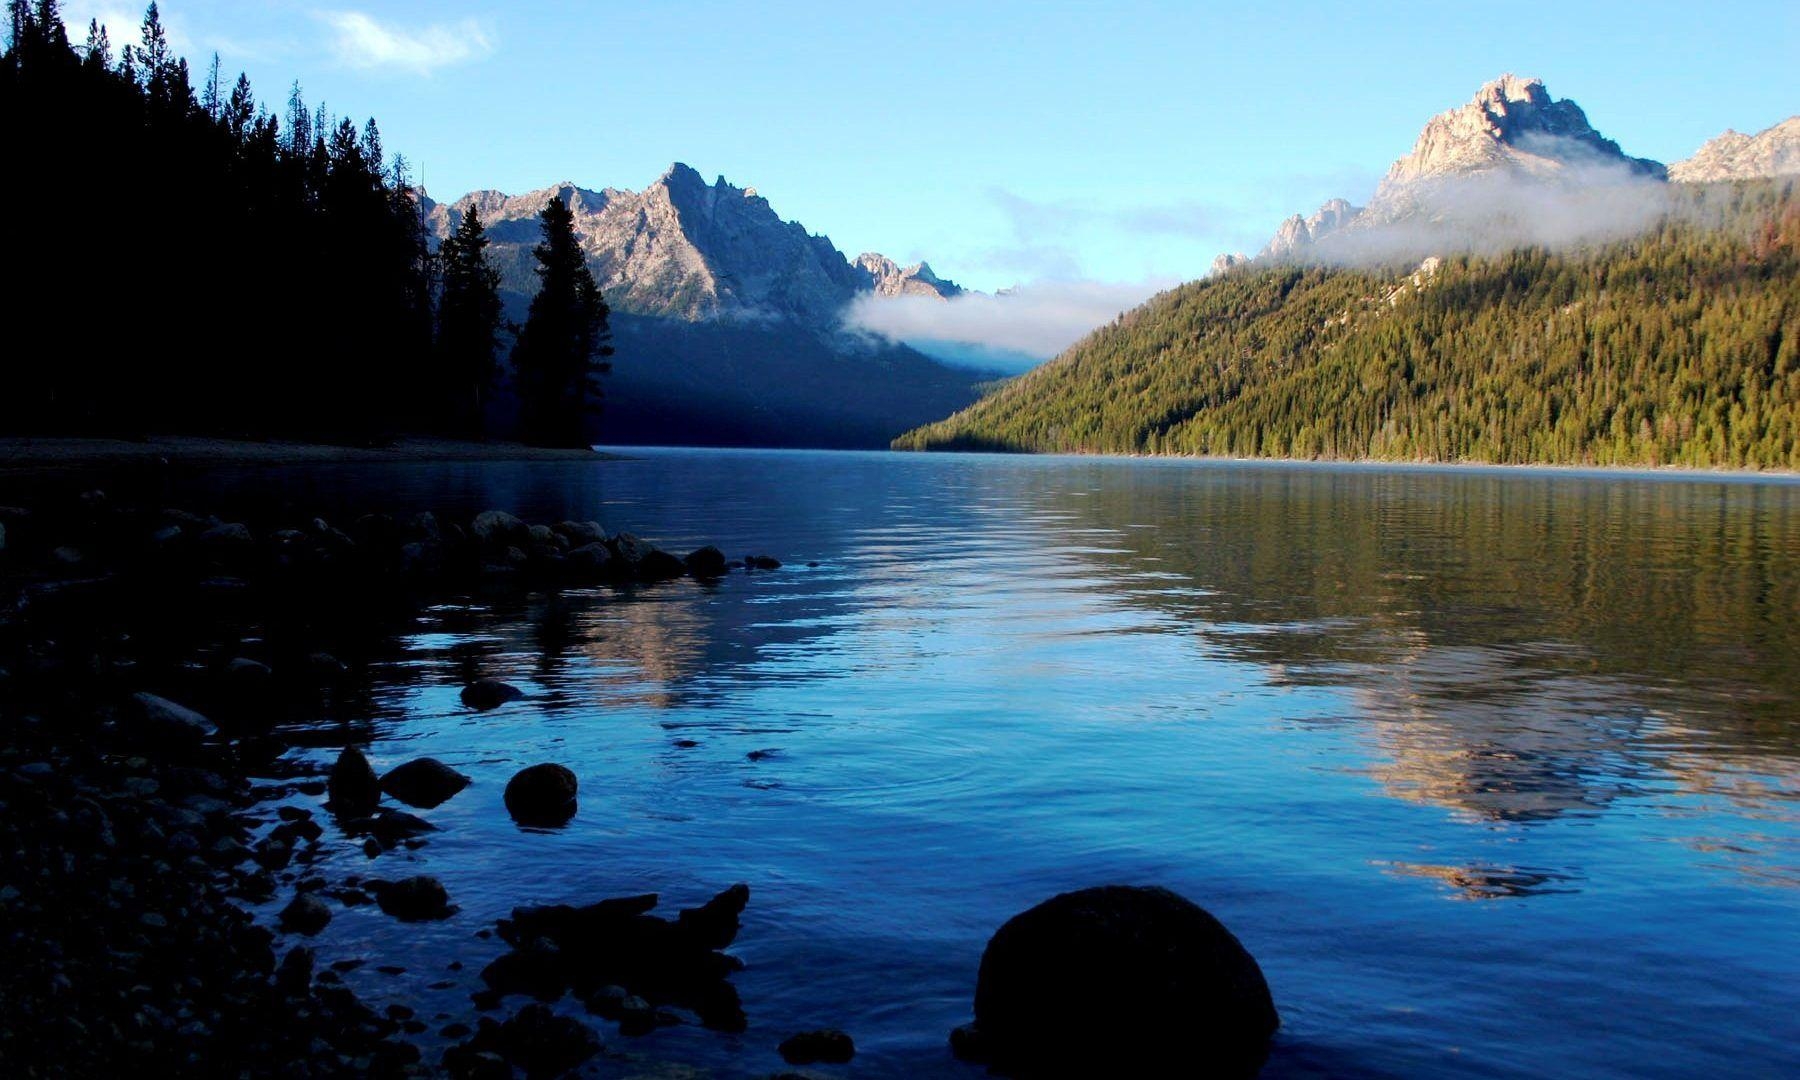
[1120, 980]
[353, 788]
[424, 782]
[541, 795]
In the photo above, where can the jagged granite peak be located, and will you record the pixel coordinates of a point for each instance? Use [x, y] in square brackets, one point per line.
[1513, 125]
[1297, 233]
[888, 278]
[1468, 156]
[681, 248]
[1774, 151]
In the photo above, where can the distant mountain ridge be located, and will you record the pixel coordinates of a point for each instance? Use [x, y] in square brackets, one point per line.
[682, 248]
[727, 318]
[1774, 151]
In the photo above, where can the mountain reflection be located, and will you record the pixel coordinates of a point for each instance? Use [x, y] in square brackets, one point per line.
[1519, 647]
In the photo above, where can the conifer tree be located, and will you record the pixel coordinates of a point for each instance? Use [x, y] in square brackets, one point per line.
[563, 341]
[469, 318]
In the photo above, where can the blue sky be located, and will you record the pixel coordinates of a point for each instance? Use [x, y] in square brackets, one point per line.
[1114, 142]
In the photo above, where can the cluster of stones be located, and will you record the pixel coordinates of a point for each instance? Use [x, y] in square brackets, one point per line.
[95, 537]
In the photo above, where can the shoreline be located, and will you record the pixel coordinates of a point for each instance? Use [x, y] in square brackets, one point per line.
[56, 453]
[168, 869]
[1592, 471]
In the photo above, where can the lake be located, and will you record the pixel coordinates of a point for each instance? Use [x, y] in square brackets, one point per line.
[1494, 771]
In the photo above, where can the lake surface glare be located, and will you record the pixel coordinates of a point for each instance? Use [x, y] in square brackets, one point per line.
[1494, 771]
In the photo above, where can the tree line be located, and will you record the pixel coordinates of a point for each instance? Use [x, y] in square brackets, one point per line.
[1680, 346]
[189, 261]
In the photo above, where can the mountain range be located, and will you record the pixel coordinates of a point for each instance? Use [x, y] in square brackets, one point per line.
[730, 321]
[1515, 165]
[1519, 289]
[727, 318]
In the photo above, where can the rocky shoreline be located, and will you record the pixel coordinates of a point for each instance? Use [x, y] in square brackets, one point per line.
[138, 825]
[164, 860]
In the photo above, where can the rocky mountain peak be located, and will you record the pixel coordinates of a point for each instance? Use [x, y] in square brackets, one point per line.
[687, 249]
[1511, 124]
[1774, 151]
[888, 278]
[1469, 157]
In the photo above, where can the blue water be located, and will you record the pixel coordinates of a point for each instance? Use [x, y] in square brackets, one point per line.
[1493, 771]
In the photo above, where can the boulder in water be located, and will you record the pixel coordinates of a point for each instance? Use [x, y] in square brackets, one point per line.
[413, 899]
[1121, 980]
[353, 789]
[424, 782]
[489, 694]
[541, 795]
[306, 915]
[496, 528]
[708, 562]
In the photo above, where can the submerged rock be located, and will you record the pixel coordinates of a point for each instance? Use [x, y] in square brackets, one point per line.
[306, 915]
[762, 562]
[811, 1047]
[489, 694]
[423, 782]
[541, 795]
[353, 789]
[1120, 980]
[413, 899]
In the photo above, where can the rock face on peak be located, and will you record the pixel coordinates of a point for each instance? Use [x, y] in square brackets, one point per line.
[1471, 175]
[888, 278]
[1774, 151]
[1512, 124]
[727, 319]
[1297, 233]
[681, 248]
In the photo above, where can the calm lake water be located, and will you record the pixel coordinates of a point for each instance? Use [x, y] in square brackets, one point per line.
[1494, 771]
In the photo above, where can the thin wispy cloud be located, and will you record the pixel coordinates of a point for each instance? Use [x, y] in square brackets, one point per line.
[362, 41]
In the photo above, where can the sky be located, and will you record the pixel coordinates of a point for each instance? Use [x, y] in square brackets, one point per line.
[1117, 143]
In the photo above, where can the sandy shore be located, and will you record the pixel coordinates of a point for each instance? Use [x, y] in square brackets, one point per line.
[19, 454]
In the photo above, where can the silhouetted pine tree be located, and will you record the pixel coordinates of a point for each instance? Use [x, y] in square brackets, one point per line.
[563, 341]
[468, 327]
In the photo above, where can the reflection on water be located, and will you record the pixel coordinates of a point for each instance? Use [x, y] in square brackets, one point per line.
[1321, 701]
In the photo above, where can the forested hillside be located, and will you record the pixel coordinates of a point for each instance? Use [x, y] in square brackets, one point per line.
[1677, 347]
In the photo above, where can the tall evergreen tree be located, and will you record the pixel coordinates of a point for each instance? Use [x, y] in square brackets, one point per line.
[468, 323]
[561, 347]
